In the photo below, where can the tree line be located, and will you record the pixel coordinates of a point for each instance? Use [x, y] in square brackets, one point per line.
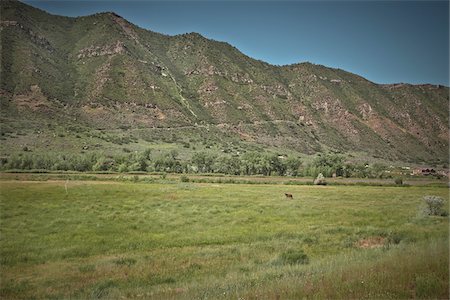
[249, 163]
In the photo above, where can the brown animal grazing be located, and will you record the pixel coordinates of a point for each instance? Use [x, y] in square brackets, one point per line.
[288, 195]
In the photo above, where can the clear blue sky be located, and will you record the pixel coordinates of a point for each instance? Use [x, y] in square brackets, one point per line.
[384, 41]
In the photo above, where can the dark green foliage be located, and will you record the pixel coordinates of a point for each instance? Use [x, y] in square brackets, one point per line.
[62, 162]
[228, 165]
[249, 163]
[103, 164]
[204, 161]
[168, 162]
[262, 163]
[293, 166]
[328, 164]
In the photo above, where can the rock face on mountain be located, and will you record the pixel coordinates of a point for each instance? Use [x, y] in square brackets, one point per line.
[103, 71]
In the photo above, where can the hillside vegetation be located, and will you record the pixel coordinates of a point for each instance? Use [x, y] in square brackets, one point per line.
[92, 83]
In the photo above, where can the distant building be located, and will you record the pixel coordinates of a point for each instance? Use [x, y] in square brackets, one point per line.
[424, 171]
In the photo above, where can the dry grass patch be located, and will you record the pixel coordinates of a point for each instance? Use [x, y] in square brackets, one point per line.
[371, 242]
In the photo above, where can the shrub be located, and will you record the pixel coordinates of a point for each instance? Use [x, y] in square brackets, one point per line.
[320, 180]
[103, 164]
[434, 206]
[184, 178]
[123, 168]
[398, 181]
[294, 257]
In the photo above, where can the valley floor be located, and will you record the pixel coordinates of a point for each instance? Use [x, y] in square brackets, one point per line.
[172, 239]
[26, 175]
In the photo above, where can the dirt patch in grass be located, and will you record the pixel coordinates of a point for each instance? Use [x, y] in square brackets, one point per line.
[371, 242]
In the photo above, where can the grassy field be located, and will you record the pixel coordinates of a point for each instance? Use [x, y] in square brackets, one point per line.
[155, 177]
[105, 239]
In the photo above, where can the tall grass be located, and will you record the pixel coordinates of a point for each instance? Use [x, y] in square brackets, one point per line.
[105, 239]
[401, 271]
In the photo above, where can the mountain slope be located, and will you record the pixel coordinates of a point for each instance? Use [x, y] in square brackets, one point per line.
[101, 71]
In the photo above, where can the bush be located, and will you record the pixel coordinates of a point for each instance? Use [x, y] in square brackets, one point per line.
[103, 164]
[320, 180]
[294, 257]
[398, 181]
[123, 168]
[184, 178]
[434, 206]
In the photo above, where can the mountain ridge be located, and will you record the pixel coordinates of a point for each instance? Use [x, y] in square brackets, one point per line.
[222, 41]
[106, 72]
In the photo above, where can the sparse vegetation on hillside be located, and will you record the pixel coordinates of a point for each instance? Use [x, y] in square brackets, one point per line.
[100, 71]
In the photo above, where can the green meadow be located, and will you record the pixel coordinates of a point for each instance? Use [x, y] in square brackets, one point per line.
[117, 240]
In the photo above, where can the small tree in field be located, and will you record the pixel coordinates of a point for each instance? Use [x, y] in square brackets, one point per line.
[434, 206]
[320, 180]
[398, 181]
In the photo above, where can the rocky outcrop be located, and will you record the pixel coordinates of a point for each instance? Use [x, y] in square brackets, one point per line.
[94, 51]
[142, 78]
